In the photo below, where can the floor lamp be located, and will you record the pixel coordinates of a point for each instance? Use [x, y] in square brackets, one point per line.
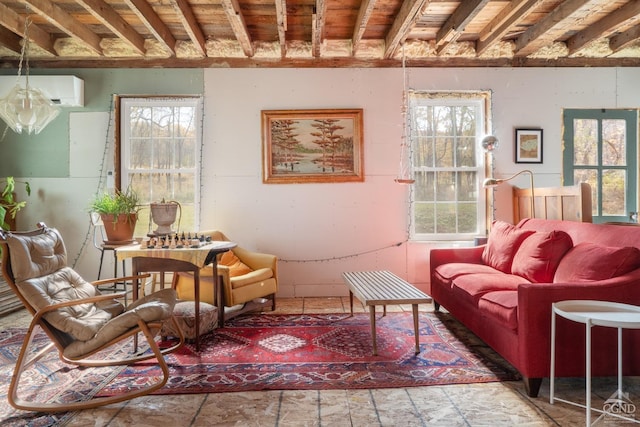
[494, 182]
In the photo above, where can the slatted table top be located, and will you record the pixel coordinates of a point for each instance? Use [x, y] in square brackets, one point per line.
[383, 287]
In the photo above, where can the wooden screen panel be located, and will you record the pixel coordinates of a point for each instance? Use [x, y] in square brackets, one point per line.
[571, 203]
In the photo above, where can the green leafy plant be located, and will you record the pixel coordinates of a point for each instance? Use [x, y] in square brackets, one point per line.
[8, 203]
[116, 203]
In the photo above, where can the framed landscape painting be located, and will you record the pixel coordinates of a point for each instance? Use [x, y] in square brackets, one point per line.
[528, 146]
[312, 146]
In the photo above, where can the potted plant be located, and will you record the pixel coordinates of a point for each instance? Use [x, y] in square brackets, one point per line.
[9, 206]
[119, 213]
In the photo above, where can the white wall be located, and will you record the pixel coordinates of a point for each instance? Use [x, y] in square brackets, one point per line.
[321, 230]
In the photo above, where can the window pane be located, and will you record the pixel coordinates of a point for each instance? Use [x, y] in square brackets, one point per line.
[424, 188]
[467, 217]
[585, 142]
[445, 186]
[590, 176]
[444, 152]
[424, 218]
[467, 186]
[423, 153]
[466, 152]
[446, 218]
[613, 143]
[614, 186]
[140, 157]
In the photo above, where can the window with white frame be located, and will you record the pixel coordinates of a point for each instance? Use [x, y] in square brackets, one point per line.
[160, 146]
[448, 201]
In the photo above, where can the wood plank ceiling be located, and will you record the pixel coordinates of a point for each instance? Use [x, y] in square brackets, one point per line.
[320, 33]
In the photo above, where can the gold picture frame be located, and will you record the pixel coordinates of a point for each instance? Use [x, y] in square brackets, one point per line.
[312, 146]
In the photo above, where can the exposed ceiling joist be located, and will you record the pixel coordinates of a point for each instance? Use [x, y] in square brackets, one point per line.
[112, 20]
[513, 13]
[364, 13]
[239, 26]
[603, 26]
[152, 21]
[67, 23]
[455, 25]
[405, 19]
[190, 24]
[10, 40]
[281, 21]
[536, 36]
[15, 23]
[624, 39]
[317, 27]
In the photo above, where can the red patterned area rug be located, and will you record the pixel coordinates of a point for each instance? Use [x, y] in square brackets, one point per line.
[48, 380]
[325, 351]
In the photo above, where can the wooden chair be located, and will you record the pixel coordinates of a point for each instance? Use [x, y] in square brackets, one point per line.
[77, 318]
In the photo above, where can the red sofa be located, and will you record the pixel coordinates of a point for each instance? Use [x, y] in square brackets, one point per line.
[503, 291]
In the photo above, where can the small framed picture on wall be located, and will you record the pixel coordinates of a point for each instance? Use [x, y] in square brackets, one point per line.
[528, 146]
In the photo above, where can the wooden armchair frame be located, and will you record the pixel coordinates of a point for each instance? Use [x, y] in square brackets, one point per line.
[149, 329]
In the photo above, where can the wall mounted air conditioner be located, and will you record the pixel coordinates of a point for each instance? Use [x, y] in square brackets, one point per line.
[66, 91]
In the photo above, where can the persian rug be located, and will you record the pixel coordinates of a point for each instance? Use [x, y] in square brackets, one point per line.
[325, 351]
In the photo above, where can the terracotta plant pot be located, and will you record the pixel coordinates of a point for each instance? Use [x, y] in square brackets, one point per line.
[121, 230]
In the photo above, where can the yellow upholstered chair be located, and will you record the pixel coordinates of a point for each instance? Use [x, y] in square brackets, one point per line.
[247, 279]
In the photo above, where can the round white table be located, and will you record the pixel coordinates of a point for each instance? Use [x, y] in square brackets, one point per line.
[593, 313]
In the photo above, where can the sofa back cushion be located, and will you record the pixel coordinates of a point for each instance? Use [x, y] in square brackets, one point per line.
[539, 255]
[589, 261]
[504, 240]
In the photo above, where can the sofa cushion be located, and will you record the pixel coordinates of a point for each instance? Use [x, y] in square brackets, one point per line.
[445, 273]
[539, 255]
[472, 287]
[502, 306]
[589, 261]
[504, 241]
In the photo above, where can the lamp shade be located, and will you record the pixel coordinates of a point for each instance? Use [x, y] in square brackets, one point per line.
[26, 109]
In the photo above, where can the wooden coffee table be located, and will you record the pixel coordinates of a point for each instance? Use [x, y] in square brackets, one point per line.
[381, 288]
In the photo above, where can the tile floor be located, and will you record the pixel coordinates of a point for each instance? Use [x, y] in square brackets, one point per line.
[492, 404]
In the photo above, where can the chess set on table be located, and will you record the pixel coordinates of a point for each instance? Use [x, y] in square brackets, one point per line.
[173, 241]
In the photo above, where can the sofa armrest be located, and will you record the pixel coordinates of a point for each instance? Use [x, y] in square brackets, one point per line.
[534, 312]
[469, 255]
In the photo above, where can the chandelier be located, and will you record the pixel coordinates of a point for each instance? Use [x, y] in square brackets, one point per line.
[26, 109]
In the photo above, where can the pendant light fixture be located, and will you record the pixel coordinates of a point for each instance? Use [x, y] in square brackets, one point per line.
[26, 109]
[405, 173]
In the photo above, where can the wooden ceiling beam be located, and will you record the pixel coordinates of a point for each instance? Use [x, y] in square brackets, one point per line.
[239, 26]
[67, 23]
[15, 23]
[112, 20]
[364, 14]
[10, 40]
[510, 15]
[603, 26]
[152, 21]
[190, 24]
[534, 38]
[405, 19]
[624, 39]
[455, 25]
[317, 27]
[281, 21]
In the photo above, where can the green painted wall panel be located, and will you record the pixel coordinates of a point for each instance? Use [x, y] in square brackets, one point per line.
[46, 155]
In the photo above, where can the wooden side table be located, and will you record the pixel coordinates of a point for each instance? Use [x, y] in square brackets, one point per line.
[593, 313]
